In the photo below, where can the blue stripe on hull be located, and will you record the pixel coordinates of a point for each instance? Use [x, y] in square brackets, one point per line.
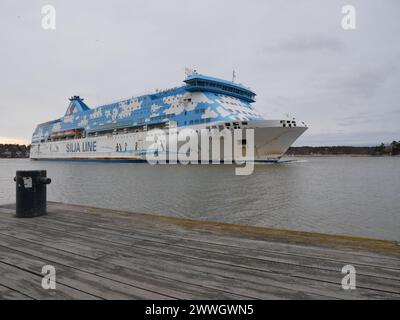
[145, 161]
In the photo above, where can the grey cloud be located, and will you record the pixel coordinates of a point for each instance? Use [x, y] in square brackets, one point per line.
[361, 82]
[355, 119]
[304, 44]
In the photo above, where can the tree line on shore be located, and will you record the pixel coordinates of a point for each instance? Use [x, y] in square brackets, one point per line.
[14, 151]
[392, 149]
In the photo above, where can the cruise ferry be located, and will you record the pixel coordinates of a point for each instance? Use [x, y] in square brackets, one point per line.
[117, 131]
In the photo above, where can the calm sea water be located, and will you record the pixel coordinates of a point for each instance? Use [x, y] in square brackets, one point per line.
[340, 195]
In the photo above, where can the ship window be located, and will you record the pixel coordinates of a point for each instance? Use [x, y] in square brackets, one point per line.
[208, 120]
[221, 127]
[227, 124]
[244, 123]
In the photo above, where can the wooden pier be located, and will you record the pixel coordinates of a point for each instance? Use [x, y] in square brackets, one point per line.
[106, 254]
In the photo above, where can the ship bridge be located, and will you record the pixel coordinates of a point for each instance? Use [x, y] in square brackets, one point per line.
[198, 82]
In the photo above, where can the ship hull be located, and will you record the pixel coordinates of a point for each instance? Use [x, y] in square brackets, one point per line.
[271, 141]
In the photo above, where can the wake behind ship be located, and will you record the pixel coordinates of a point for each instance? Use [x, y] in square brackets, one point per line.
[117, 131]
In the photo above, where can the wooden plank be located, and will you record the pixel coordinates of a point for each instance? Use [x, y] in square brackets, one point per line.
[84, 228]
[31, 285]
[250, 232]
[142, 223]
[133, 221]
[384, 281]
[175, 271]
[10, 294]
[225, 246]
[86, 282]
[135, 255]
[222, 275]
[183, 273]
[138, 278]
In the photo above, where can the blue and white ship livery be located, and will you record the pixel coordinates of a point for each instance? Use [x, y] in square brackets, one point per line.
[118, 131]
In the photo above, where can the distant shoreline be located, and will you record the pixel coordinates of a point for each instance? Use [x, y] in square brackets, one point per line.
[15, 151]
[391, 149]
[339, 155]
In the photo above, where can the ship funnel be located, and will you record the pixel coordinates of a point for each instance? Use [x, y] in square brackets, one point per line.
[76, 105]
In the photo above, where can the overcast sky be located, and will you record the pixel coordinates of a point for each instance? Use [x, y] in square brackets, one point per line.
[345, 84]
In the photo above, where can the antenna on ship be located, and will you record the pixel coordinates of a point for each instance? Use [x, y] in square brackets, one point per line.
[233, 76]
[75, 98]
[190, 72]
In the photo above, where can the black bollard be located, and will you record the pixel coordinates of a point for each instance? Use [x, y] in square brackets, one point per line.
[31, 190]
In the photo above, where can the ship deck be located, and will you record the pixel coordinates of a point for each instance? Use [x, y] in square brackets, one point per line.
[107, 254]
